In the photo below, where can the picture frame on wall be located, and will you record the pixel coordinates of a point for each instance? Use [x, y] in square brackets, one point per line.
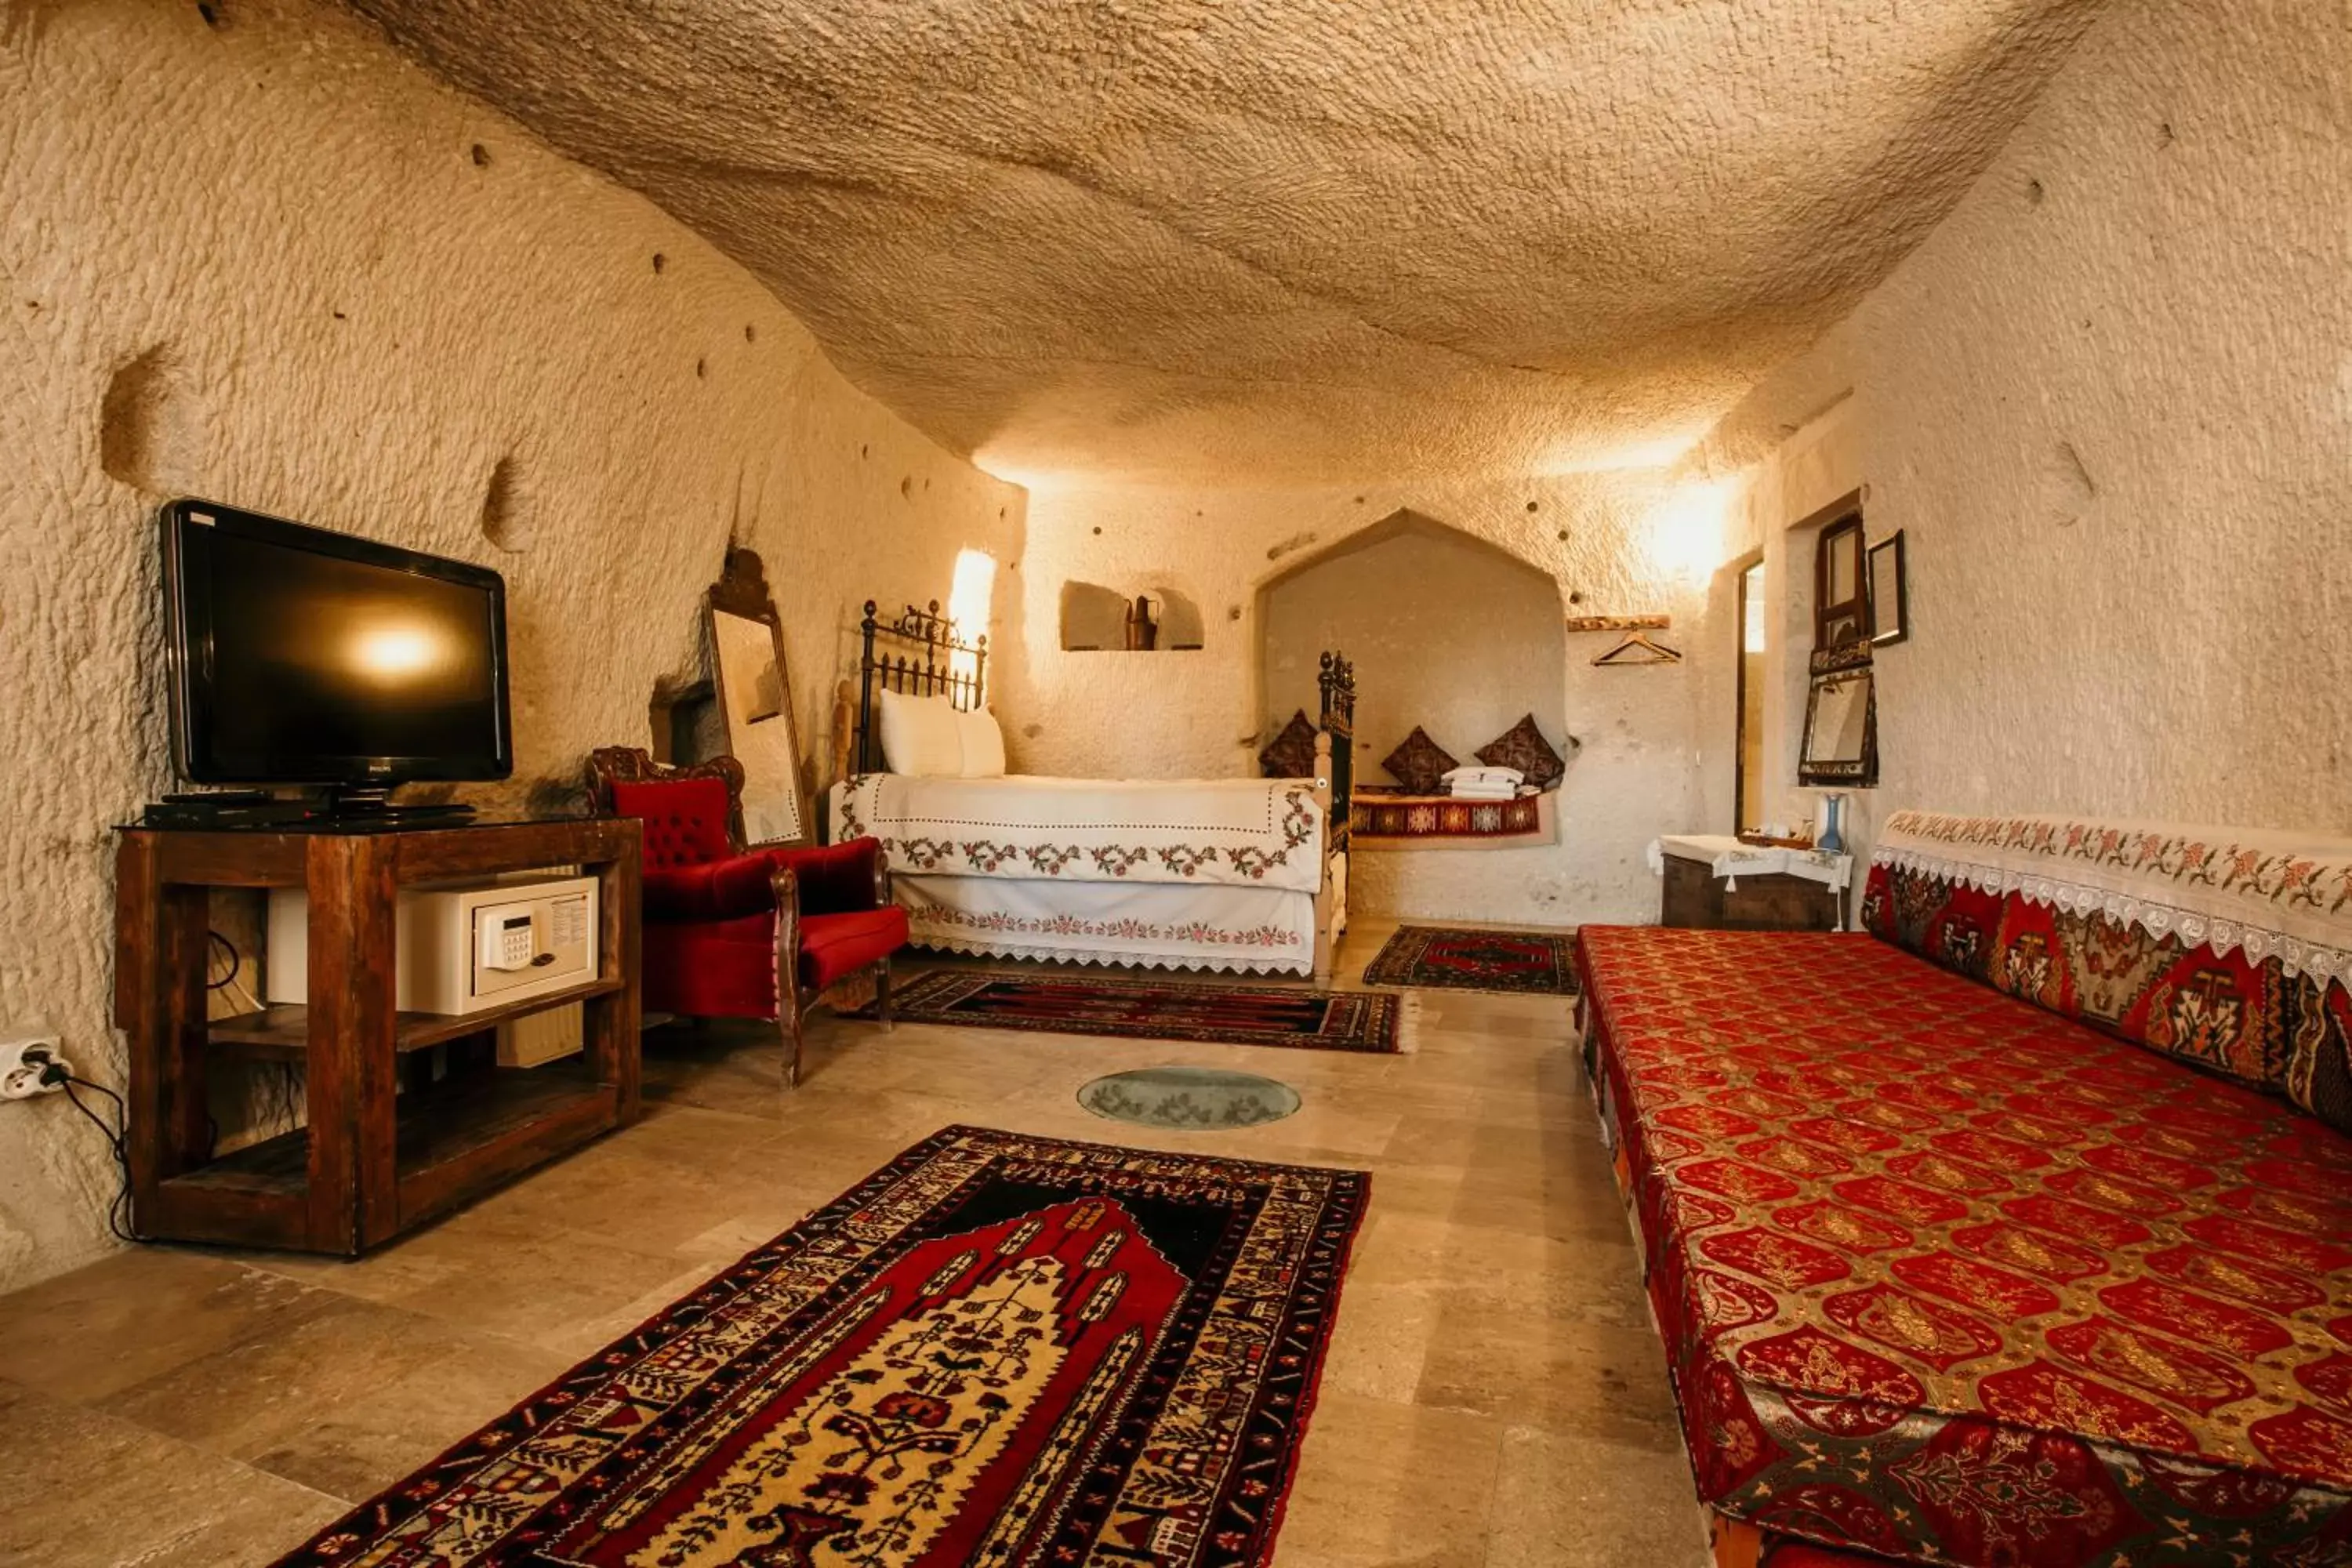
[1841, 579]
[1890, 600]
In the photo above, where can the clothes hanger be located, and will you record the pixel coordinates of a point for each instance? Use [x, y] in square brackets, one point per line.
[1639, 648]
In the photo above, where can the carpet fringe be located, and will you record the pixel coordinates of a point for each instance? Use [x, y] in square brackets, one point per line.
[1408, 1023]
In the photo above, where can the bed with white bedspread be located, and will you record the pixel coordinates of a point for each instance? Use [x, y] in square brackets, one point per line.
[1194, 873]
[1245, 875]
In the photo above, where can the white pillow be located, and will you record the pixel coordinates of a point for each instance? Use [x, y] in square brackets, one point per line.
[918, 736]
[982, 743]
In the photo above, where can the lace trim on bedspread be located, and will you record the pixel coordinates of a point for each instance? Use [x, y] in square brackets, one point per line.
[1298, 962]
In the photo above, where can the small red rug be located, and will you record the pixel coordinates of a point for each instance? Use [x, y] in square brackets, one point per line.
[997, 1349]
[1456, 958]
[1145, 1010]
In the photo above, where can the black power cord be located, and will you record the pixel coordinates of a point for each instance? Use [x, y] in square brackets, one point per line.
[236, 962]
[55, 1075]
[117, 1213]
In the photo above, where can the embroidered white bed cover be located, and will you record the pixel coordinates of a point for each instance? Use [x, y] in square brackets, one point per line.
[1244, 833]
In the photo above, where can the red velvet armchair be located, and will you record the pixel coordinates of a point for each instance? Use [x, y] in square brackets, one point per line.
[736, 934]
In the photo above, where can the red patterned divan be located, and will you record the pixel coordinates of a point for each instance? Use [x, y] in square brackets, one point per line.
[1946, 1277]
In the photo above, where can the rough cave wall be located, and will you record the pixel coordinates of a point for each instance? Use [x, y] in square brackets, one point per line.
[2109, 402]
[1620, 541]
[269, 262]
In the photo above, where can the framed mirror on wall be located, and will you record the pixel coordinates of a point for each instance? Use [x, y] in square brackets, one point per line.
[755, 692]
[1840, 744]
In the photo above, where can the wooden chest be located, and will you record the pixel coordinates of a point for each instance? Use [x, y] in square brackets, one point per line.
[1693, 897]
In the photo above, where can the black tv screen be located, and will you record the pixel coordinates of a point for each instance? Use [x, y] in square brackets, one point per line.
[302, 656]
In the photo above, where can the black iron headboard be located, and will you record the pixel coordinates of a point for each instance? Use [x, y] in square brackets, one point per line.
[925, 665]
[1337, 681]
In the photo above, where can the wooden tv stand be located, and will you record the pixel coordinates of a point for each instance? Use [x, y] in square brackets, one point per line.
[389, 1143]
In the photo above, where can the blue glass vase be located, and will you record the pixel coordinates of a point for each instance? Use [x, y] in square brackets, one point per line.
[1831, 837]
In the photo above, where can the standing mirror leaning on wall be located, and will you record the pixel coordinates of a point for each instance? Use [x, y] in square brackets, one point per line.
[755, 692]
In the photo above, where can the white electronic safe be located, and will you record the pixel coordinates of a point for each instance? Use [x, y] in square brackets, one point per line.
[460, 948]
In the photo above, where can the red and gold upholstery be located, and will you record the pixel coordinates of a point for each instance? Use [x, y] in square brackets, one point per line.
[1948, 1278]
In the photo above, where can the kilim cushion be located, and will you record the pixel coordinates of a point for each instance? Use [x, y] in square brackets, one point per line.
[2220, 1011]
[2319, 1057]
[2227, 947]
[1420, 763]
[1522, 746]
[1291, 754]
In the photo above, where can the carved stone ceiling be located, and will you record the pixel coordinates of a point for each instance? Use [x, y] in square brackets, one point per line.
[1249, 241]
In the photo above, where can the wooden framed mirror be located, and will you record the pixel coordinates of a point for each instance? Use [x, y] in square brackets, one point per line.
[755, 703]
[1841, 720]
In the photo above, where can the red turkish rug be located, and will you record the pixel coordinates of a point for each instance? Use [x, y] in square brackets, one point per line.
[1146, 1010]
[997, 1349]
[1457, 958]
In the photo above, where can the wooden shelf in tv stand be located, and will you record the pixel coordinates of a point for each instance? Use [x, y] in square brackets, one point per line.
[281, 1031]
[387, 1144]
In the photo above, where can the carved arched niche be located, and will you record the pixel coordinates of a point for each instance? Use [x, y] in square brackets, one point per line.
[1447, 632]
[1095, 617]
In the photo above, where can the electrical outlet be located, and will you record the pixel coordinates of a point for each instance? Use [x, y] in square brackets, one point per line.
[23, 1060]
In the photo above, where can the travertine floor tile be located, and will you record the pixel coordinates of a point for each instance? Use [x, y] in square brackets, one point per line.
[1563, 1375]
[91, 1490]
[140, 1314]
[1381, 1483]
[327, 1400]
[527, 1282]
[1552, 1489]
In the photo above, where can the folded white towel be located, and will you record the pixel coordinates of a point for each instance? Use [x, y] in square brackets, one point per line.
[1485, 775]
[1484, 792]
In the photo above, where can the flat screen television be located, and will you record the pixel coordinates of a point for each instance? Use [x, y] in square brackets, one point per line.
[301, 656]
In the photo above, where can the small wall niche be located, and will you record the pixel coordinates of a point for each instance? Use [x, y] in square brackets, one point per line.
[153, 427]
[506, 518]
[1095, 618]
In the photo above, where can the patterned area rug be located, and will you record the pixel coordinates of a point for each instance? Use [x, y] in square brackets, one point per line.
[1146, 1010]
[998, 1349]
[1456, 959]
